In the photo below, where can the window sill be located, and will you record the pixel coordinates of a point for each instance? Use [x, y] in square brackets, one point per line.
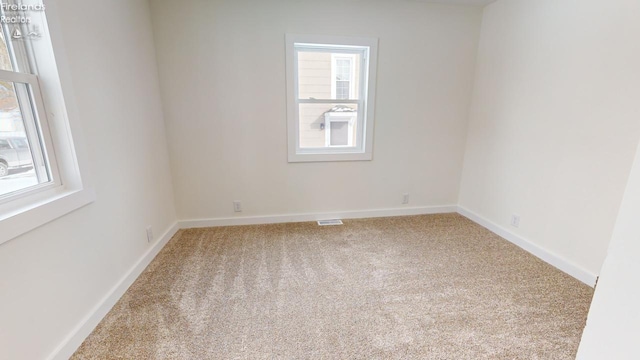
[311, 157]
[36, 214]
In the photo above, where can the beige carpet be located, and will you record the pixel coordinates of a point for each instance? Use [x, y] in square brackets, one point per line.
[421, 287]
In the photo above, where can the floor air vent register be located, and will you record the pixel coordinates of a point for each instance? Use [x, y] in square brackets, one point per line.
[329, 222]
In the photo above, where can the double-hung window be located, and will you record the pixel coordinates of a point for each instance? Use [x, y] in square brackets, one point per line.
[40, 177]
[330, 97]
[27, 159]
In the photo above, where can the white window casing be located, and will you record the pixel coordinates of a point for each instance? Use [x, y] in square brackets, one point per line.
[361, 96]
[40, 68]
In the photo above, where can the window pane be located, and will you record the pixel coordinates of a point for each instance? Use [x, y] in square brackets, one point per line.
[5, 59]
[314, 75]
[328, 75]
[22, 162]
[317, 120]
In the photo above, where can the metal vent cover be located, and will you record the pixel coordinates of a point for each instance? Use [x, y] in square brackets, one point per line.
[331, 222]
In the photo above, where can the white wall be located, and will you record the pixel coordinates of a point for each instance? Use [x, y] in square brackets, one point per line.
[613, 325]
[53, 276]
[222, 71]
[554, 121]
[553, 129]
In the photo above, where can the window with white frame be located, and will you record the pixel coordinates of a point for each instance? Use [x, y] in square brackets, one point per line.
[331, 92]
[40, 177]
[27, 160]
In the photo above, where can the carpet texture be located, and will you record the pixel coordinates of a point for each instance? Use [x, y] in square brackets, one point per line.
[419, 287]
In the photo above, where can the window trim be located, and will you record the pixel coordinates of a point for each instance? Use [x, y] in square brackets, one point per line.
[367, 98]
[75, 190]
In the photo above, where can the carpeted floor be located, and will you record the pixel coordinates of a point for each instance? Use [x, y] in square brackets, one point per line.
[420, 287]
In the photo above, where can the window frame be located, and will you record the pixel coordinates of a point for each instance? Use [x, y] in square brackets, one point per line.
[363, 149]
[74, 190]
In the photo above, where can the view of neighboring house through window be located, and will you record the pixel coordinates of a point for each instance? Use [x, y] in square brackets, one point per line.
[340, 122]
[24, 156]
[331, 103]
[343, 76]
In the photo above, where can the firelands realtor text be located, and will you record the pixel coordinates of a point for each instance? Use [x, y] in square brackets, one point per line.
[14, 13]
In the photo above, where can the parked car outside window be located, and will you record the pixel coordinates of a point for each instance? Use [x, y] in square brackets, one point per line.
[14, 155]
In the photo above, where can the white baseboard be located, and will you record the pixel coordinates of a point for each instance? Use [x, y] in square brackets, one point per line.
[544, 254]
[75, 338]
[276, 219]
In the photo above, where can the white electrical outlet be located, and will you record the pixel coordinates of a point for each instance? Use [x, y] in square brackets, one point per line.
[237, 206]
[515, 220]
[149, 234]
[405, 198]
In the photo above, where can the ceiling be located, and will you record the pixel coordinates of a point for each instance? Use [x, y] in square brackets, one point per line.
[462, 2]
